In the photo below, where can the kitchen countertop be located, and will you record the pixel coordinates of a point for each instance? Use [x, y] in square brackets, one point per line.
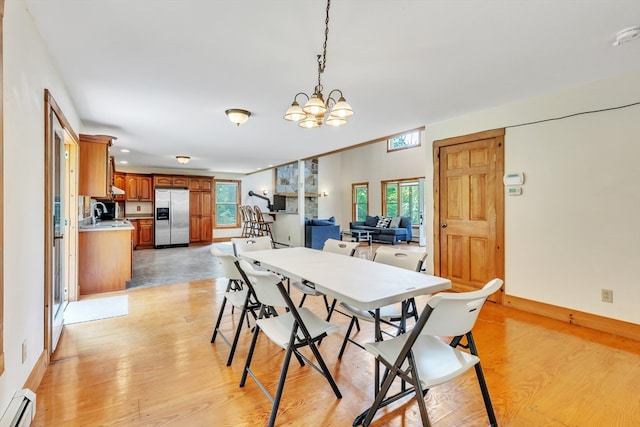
[115, 225]
[140, 216]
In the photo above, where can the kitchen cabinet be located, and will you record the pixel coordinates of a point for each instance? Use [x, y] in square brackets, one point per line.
[143, 235]
[120, 181]
[95, 168]
[200, 217]
[139, 188]
[170, 181]
[201, 184]
[104, 261]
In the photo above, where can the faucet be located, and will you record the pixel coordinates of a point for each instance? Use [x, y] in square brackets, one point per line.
[93, 213]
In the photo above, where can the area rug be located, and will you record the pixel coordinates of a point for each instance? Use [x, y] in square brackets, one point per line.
[96, 309]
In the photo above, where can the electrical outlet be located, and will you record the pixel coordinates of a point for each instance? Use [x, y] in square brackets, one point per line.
[24, 351]
[607, 295]
[138, 208]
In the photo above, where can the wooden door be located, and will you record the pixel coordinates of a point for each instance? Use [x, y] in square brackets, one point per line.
[206, 234]
[469, 209]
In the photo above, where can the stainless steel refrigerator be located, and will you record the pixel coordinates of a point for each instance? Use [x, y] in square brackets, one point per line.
[171, 217]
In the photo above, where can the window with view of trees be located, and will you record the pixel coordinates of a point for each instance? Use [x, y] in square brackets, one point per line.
[406, 140]
[360, 200]
[227, 197]
[401, 198]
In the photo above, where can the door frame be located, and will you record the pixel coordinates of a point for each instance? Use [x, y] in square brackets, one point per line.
[499, 202]
[51, 107]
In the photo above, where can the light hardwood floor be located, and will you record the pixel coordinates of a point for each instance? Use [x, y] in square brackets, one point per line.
[156, 367]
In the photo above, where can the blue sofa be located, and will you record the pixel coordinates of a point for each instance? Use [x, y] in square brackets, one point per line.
[317, 231]
[385, 234]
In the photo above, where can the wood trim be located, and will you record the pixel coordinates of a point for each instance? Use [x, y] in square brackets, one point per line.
[1, 189]
[383, 198]
[38, 371]
[575, 317]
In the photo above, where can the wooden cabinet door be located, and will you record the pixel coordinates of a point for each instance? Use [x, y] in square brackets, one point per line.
[180, 181]
[145, 233]
[194, 229]
[94, 165]
[145, 189]
[132, 188]
[162, 181]
[120, 181]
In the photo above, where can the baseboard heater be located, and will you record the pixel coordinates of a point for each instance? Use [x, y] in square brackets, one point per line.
[21, 410]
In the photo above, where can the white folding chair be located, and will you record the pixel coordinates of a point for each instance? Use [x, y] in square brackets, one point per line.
[238, 295]
[248, 244]
[391, 314]
[292, 330]
[422, 359]
[308, 288]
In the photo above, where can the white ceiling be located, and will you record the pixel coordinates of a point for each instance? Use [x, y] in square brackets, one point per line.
[159, 74]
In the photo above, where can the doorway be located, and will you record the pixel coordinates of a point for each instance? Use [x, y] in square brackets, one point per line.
[469, 210]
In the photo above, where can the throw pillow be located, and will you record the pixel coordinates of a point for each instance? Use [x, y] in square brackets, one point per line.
[371, 221]
[383, 222]
[395, 222]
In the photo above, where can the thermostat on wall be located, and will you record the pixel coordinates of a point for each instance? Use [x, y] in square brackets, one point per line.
[513, 178]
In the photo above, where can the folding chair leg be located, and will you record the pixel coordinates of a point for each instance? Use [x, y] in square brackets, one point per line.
[220, 314]
[245, 371]
[283, 377]
[304, 296]
[237, 334]
[483, 383]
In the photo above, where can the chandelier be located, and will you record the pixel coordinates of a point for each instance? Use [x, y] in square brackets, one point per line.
[316, 110]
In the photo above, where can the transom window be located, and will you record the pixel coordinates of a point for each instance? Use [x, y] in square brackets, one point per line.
[405, 140]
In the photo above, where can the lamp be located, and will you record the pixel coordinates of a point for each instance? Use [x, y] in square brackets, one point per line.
[316, 110]
[183, 160]
[237, 115]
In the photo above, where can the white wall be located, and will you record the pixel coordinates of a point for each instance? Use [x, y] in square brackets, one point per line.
[575, 229]
[27, 72]
[373, 164]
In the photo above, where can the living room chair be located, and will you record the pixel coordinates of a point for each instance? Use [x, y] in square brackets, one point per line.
[308, 288]
[238, 295]
[391, 314]
[294, 329]
[424, 360]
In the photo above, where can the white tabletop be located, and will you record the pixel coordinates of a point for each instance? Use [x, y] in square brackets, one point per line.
[361, 283]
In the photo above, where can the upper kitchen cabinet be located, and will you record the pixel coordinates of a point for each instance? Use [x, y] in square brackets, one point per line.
[95, 167]
[170, 181]
[119, 181]
[139, 188]
[201, 184]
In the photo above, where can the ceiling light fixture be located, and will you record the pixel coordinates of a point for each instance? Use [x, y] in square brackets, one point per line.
[183, 160]
[237, 115]
[317, 111]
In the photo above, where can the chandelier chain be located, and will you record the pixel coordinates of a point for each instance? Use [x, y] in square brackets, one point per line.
[326, 37]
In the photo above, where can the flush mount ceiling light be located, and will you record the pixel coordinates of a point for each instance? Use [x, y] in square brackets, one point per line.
[317, 111]
[237, 115]
[626, 35]
[183, 159]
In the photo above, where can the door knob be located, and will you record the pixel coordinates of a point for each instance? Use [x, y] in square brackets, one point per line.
[443, 225]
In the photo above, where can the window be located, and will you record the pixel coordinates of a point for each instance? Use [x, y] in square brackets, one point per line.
[401, 198]
[405, 140]
[360, 200]
[227, 196]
